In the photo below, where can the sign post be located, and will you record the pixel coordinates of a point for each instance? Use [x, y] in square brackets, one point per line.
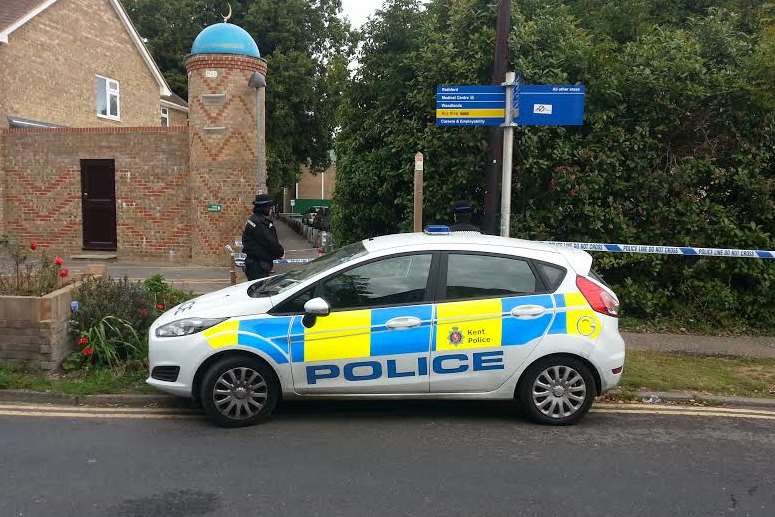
[508, 154]
[508, 106]
[418, 190]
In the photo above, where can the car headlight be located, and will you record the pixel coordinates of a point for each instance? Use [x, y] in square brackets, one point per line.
[187, 326]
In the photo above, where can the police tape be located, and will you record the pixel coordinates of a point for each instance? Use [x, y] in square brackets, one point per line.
[688, 251]
[293, 261]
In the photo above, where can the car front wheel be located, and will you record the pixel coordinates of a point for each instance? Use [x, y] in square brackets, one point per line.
[239, 391]
[557, 390]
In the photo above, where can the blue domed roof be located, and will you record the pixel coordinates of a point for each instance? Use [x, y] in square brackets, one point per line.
[225, 38]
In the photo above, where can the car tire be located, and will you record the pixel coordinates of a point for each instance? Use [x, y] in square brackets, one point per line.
[239, 391]
[556, 390]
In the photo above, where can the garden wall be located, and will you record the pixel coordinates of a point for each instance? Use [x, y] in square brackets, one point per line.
[40, 178]
[34, 330]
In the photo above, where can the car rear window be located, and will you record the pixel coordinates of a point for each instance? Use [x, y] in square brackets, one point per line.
[552, 274]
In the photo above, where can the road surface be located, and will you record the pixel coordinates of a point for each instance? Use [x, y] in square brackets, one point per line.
[384, 459]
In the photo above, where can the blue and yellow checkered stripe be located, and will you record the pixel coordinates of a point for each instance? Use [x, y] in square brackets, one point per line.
[354, 334]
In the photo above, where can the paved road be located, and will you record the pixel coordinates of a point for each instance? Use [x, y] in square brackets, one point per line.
[390, 459]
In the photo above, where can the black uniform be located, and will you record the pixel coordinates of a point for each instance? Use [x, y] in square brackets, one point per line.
[260, 243]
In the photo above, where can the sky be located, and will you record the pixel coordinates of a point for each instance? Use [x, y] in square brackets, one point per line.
[359, 10]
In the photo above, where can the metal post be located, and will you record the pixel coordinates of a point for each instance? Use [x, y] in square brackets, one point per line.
[508, 154]
[418, 188]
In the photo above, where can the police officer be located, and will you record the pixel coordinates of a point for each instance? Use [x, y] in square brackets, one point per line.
[259, 240]
[462, 214]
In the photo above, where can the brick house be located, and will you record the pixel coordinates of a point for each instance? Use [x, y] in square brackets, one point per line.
[162, 188]
[79, 63]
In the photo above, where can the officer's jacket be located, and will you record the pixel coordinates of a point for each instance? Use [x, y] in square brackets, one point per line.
[259, 240]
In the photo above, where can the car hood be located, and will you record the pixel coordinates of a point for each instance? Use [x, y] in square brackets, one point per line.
[226, 303]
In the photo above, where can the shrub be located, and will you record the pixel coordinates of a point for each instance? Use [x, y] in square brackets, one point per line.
[164, 294]
[30, 271]
[110, 342]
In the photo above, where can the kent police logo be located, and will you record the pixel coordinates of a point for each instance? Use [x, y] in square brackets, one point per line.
[455, 337]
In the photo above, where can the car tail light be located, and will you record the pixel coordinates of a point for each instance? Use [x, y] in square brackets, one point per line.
[600, 299]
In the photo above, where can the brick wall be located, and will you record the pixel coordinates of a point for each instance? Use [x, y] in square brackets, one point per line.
[310, 183]
[34, 330]
[226, 149]
[42, 183]
[178, 118]
[49, 67]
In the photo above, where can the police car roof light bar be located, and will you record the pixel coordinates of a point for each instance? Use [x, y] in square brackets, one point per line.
[437, 229]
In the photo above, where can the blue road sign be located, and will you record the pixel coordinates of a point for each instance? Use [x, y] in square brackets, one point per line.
[550, 104]
[470, 105]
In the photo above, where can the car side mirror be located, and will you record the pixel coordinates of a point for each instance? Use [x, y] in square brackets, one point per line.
[314, 308]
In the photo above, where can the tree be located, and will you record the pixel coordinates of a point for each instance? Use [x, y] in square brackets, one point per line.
[677, 147]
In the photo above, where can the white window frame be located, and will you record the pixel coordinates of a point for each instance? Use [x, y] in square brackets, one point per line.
[108, 92]
[165, 117]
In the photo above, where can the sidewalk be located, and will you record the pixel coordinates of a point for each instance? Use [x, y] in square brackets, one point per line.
[762, 347]
[200, 279]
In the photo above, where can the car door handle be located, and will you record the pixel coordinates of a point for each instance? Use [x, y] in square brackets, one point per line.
[403, 322]
[528, 311]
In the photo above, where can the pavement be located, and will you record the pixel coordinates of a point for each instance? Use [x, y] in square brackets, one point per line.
[191, 277]
[386, 459]
[740, 346]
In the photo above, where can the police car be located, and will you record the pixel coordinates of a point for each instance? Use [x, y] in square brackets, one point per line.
[447, 315]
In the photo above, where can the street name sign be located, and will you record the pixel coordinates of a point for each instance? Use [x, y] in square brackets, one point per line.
[470, 105]
[549, 104]
[214, 207]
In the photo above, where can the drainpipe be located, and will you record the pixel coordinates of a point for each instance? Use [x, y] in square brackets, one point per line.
[258, 81]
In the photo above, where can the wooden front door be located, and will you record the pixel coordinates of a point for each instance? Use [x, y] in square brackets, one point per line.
[98, 195]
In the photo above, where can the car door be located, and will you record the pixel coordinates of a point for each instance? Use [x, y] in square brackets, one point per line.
[492, 312]
[376, 338]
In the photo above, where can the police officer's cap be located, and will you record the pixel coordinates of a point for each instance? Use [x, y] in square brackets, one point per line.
[263, 200]
[462, 207]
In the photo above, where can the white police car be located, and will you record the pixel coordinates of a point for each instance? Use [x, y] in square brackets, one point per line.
[433, 315]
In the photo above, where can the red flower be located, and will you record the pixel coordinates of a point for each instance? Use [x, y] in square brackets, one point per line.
[34, 246]
[59, 261]
[143, 312]
[84, 341]
[87, 352]
[160, 306]
[64, 272]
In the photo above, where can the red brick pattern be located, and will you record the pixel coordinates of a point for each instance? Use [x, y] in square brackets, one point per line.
[224, 162]
[42, 184]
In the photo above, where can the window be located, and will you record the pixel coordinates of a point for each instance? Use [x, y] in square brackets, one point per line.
[487, 276]
[553, 275]
[108, 102]
[391, 281]
[295, 305]
[165, 117]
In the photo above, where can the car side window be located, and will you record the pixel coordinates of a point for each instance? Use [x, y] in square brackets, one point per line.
[488, 276]
[294, 305]
[391, 281]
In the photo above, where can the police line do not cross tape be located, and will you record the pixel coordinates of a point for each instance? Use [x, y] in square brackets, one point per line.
[687, 251]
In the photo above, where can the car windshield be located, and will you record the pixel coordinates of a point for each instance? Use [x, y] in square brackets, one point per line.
[282, 282]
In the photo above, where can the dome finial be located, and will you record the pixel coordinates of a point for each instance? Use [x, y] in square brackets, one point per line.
[228, 16]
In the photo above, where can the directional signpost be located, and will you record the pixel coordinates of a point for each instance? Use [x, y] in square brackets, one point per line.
[470, 105]
[508, 106]
[549, 104]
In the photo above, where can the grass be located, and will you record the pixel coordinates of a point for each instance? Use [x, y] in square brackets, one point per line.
[88, 382]
[660, 371]
[643, 370]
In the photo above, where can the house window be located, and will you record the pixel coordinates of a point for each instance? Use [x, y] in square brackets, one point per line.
[165, 117]
[108, 98]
